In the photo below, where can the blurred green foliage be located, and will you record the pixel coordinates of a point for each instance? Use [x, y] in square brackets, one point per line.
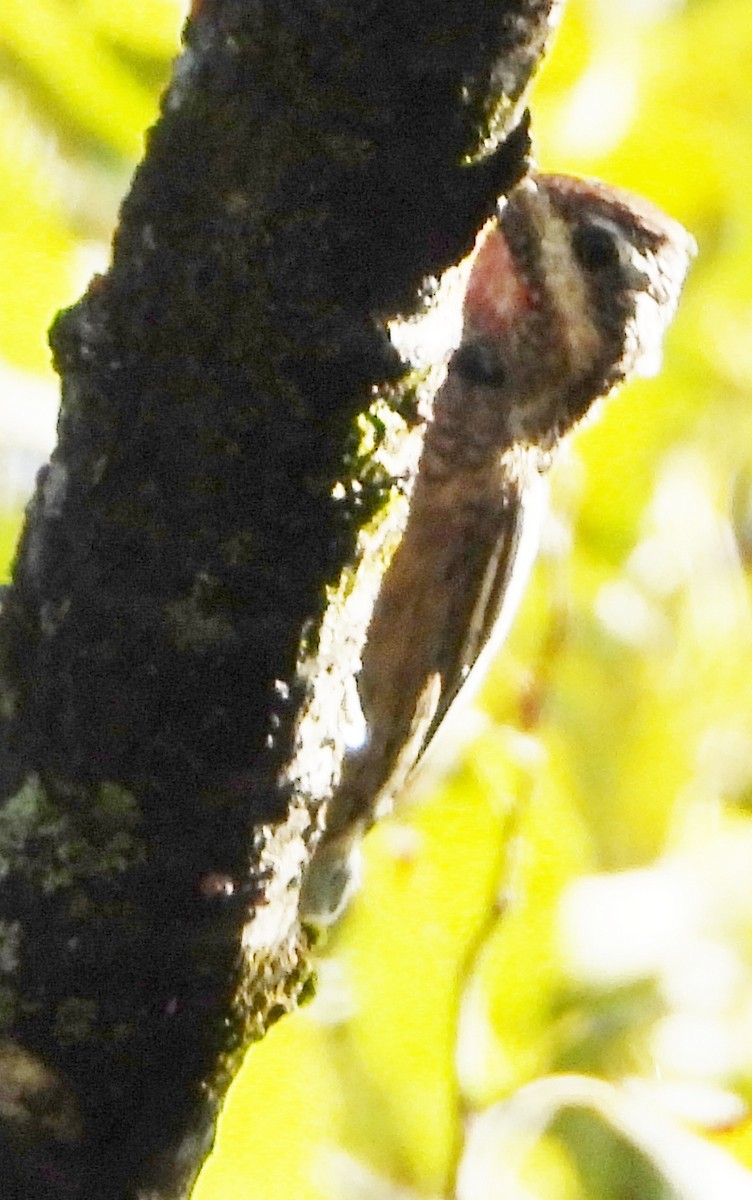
[544, 988]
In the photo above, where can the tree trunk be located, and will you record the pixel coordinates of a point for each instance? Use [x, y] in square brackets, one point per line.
[192, 585]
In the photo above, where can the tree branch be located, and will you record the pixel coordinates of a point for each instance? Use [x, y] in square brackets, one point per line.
[188, 601]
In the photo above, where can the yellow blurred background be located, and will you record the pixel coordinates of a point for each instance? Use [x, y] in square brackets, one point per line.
[544, 989]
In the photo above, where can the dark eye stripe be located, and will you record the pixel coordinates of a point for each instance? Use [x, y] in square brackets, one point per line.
[478, 363]
[596, 248]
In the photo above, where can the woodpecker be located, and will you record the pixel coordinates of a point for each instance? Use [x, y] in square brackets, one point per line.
[570, 293]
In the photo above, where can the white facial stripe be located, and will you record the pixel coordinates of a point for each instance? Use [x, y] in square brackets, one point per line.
[565, 282]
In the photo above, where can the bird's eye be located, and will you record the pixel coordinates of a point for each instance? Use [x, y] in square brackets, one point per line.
[478, 362]
[596, 248]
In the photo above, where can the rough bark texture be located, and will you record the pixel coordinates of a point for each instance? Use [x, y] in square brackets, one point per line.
[178, 647]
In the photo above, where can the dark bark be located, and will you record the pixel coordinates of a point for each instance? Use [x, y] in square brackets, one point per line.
[174, 669]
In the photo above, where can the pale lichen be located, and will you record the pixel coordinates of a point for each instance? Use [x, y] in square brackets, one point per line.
[56, 843]
[196, 621]
[10, 942]
[8, 702]
[34, 1097]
